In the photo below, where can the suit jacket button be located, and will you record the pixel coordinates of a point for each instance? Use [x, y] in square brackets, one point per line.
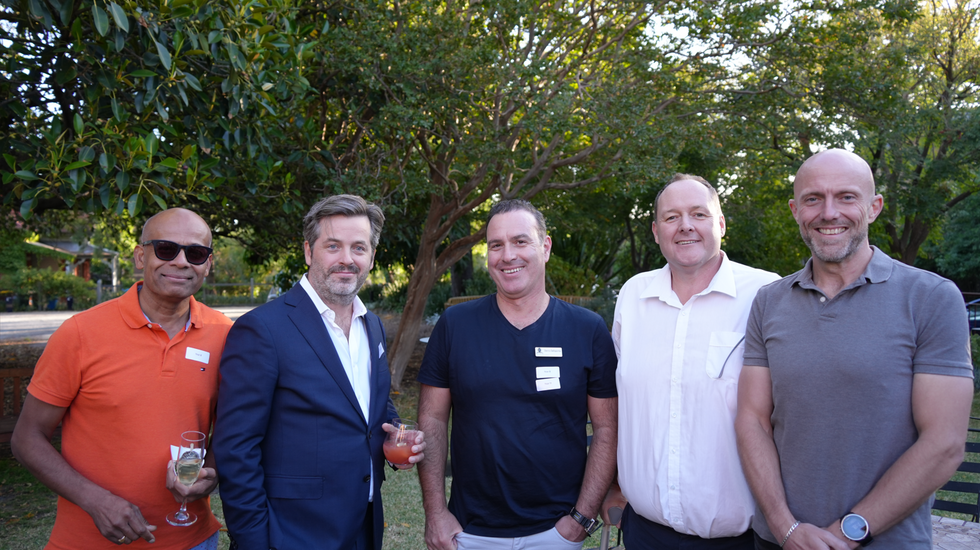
[367, 478]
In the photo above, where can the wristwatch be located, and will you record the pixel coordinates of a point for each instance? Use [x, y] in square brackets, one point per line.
[589, 524]
[856, 528]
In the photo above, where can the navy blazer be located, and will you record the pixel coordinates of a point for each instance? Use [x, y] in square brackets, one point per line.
[293, 450]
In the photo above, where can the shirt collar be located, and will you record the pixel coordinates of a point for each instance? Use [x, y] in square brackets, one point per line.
[723, 281]
[879, 269]
[134, 316]
[359, 308]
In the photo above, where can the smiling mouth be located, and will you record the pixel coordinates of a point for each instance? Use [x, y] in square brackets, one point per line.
[830, 230]
[687, 242]
[512, 271]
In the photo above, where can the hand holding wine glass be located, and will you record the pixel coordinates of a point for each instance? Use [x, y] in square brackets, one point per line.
[400, 442]
[190, 459]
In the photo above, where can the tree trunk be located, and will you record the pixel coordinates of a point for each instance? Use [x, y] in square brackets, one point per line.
[423, 278]
[428, 268]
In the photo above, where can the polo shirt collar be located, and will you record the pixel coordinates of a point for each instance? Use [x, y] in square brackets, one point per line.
[879, 269]
[132, 313]
[359, 308]
[723, 282]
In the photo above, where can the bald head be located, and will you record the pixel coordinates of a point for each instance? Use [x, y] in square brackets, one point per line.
[836, 164]
[834, 202]
[159, 223]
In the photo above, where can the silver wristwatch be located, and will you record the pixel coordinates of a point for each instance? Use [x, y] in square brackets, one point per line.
[589, 524]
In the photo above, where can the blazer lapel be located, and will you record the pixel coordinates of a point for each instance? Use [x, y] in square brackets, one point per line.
[310, 325]
[379, 365]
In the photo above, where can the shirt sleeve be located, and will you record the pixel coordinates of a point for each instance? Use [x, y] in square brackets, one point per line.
[602, 379]
[435, 363]
[942, 333]
[58, 373]
[756, 354]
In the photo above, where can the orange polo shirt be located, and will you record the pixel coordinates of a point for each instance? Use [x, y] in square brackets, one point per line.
[130, 392]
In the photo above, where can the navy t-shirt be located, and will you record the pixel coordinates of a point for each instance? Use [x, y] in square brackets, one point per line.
[519, 413]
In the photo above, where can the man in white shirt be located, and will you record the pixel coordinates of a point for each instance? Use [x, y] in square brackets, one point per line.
[678, 333]
[303, 405]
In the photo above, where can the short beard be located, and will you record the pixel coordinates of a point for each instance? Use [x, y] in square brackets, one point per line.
[329, 292]
[849, 249]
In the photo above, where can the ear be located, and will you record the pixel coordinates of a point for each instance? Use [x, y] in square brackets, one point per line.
[547, 248]
[138, 257]
[877, 205]
[792, 207]
[721, 222]
[653, 227]
[307, 252]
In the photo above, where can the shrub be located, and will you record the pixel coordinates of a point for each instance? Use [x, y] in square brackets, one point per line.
[44, 284]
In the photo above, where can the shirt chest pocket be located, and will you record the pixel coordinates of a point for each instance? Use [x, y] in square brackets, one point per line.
[725, 350]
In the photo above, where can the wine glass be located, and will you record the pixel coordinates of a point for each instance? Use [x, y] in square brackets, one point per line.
[398, 444]
[190, 458]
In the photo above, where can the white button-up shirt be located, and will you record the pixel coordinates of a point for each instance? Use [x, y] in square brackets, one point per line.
[677, 376]
[354, 351]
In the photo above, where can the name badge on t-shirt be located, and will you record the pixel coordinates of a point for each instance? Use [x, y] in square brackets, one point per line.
[548, 372]
[546, 384]
[547, 352]
[199, 355]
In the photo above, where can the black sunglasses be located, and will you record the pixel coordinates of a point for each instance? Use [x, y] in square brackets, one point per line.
[167, 250]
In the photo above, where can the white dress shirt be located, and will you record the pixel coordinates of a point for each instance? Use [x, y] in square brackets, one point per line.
[354, 351]
[677, 376]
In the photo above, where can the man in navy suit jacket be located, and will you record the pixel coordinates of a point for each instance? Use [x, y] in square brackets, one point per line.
[304, 404]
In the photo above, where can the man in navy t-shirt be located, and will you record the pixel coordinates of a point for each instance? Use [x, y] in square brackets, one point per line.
[521, 372]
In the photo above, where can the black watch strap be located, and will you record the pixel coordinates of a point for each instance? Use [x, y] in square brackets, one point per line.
[589, 524]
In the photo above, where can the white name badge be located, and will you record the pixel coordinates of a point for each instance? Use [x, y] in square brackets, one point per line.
[546, 384]
[199, 355]
[547, 352]
[548, 372]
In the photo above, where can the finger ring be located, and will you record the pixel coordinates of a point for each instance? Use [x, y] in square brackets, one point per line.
[120, 541]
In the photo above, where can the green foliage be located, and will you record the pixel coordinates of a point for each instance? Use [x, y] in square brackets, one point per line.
[154, 105]
[959, 252]
[566, 279]
[13, 253]
[394, 295]
[45, 284]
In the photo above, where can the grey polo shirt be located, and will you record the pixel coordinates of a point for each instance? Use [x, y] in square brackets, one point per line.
[841, 374]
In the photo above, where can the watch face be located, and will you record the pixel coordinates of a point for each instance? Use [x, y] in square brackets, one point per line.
[854, 527]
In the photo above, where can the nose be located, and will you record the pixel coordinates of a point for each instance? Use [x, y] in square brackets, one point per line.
[829, 210]
[346, 257]
[180, 258]
[686, 224]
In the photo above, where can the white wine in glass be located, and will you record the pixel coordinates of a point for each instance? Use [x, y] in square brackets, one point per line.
[190, 459]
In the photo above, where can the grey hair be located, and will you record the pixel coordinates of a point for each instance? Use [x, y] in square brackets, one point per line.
[712, 192]
[513, 205]
[343, 205]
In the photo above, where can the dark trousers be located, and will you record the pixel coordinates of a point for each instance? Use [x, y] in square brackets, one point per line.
[763, 544]
[639, 533]
[365, 537]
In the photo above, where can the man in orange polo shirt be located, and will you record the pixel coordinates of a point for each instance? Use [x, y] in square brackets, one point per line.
[125, 379]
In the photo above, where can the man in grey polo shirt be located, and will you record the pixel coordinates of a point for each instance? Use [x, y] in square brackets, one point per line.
[855, 396]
